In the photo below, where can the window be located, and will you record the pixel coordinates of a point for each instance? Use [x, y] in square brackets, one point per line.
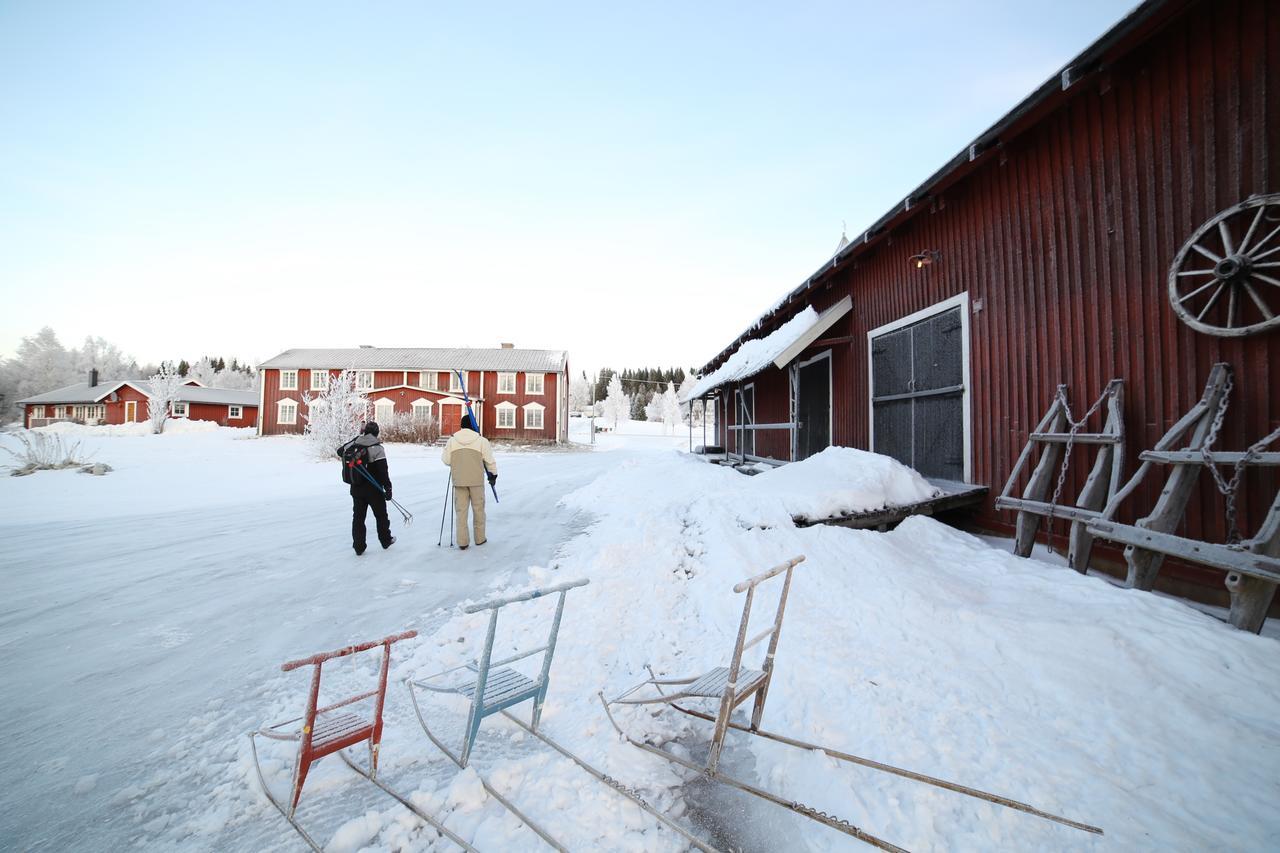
[364, 380]
[37, 412]
[384, 410]
[506, 383]
[454, 384]
[422, 410]
[506, 415]
[428, 380]
[235, 412]
[533, 383]
[288, 380]
[319, 380]
[533, 415]
[179, 409]
[286, 412]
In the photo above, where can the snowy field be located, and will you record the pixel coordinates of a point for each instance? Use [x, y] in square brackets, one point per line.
[144, 615]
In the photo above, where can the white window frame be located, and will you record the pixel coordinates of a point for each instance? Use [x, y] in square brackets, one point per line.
[455, 385]
[960, 301]
[292, 406]
[181, 409]
[506, 383]
[421, 403]
[428, 380]
[37, 412]
[509, 411]
[319, 380]
[288, 380]
[383, 403]
[529, 383]
[235, 413]
[535, 408]
[364, 380]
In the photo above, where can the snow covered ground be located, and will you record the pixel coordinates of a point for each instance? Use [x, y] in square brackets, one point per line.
[143, 616]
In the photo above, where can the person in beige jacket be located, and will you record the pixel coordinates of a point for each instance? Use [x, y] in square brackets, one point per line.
[470, 457]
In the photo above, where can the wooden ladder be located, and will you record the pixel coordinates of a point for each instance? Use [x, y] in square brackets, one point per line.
[1058, 433]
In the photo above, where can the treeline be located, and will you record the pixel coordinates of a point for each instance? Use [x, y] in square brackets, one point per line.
[641, 385]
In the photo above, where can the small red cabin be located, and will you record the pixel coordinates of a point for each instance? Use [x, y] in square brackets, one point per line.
[124, 401]
[519, 395]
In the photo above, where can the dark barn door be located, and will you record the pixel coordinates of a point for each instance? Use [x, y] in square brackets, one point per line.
[917, 402]
[813, 407]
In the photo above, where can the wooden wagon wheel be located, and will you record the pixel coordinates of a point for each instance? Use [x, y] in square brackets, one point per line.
[1225, 281]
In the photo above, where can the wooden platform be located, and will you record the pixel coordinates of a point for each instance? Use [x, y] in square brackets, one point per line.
[954, 496]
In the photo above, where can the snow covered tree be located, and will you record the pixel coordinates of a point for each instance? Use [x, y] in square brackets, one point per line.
[335, 415]
[670, 407]
[617, 405]
[580, 394]
[653, 408]
[162, 390]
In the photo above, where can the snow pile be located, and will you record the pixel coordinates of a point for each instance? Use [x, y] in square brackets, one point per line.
[843, 480]
[172, 426]
[754, 355]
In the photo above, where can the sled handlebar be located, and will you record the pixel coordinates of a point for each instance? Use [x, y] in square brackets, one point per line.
[527, 595]
[765, 575]
[349, 650]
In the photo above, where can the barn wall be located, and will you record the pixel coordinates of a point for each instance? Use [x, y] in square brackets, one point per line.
[1063, 240]
[217, 412]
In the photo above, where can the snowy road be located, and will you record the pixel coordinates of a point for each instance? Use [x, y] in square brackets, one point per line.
[117, 631]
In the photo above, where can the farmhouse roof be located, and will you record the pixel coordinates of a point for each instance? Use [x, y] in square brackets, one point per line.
[83, 392]
[217, 396]
[379, 358]
[1131, 30]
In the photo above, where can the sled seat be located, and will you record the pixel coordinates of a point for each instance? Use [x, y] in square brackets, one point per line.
[334, 731]
[493, 687]
[733, 684]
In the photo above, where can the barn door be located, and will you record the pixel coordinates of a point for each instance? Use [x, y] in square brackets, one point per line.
[813, 406]
[917, 403]
[450, 419]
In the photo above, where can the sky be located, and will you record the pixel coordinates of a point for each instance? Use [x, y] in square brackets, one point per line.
[633, 183]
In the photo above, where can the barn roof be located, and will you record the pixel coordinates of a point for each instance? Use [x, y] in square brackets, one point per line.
[388, 358]
[217, 396]
[1131, 30]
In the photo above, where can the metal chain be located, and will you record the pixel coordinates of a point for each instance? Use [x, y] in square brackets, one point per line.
[625, 789]
[816, 814]
[1076, 426]
[1230, 488]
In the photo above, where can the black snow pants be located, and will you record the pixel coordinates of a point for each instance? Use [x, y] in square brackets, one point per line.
[360, 503]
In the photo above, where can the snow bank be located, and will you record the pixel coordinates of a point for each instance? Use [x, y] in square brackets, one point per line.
[842, 479]
[173, 426]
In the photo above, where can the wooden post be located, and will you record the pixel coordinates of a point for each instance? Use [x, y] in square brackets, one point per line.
[1038, 488]
[1103, 480]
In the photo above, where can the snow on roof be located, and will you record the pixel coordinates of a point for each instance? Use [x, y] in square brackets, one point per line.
[380, 358]
[82, 392]
[217, 396]
[755, 355]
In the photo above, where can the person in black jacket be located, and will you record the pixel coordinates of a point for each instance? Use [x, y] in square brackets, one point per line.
[365, 495]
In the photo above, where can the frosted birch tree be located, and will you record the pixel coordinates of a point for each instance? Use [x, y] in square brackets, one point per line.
[335, 415]
[670, 408]
[162, 390]
[617, 405]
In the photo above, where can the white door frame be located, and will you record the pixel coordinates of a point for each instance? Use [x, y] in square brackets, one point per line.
[960, 301]
[130, 411]
[831, 402]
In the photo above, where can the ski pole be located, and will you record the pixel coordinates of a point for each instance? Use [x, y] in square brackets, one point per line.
[405, 515]
[444, 508]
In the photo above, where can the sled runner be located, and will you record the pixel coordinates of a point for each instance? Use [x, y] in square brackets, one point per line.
[492, 687]
[733, 685]
[335, 727]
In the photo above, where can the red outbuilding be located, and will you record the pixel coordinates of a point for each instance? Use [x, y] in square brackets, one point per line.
[1121, 222]
[518, 395]
[124, 401]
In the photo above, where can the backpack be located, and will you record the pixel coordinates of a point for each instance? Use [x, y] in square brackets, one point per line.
[352, 454]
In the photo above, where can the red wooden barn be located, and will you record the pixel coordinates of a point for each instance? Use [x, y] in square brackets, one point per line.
[123, 401]
[517, 394]
[1045, 252]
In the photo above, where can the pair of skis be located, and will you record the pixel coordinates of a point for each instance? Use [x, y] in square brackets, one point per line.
[466, 398]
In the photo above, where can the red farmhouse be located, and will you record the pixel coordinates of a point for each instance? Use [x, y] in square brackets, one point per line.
[517, 394]
[124, 401]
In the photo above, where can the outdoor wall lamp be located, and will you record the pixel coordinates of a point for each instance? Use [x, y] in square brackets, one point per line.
[926, 257]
